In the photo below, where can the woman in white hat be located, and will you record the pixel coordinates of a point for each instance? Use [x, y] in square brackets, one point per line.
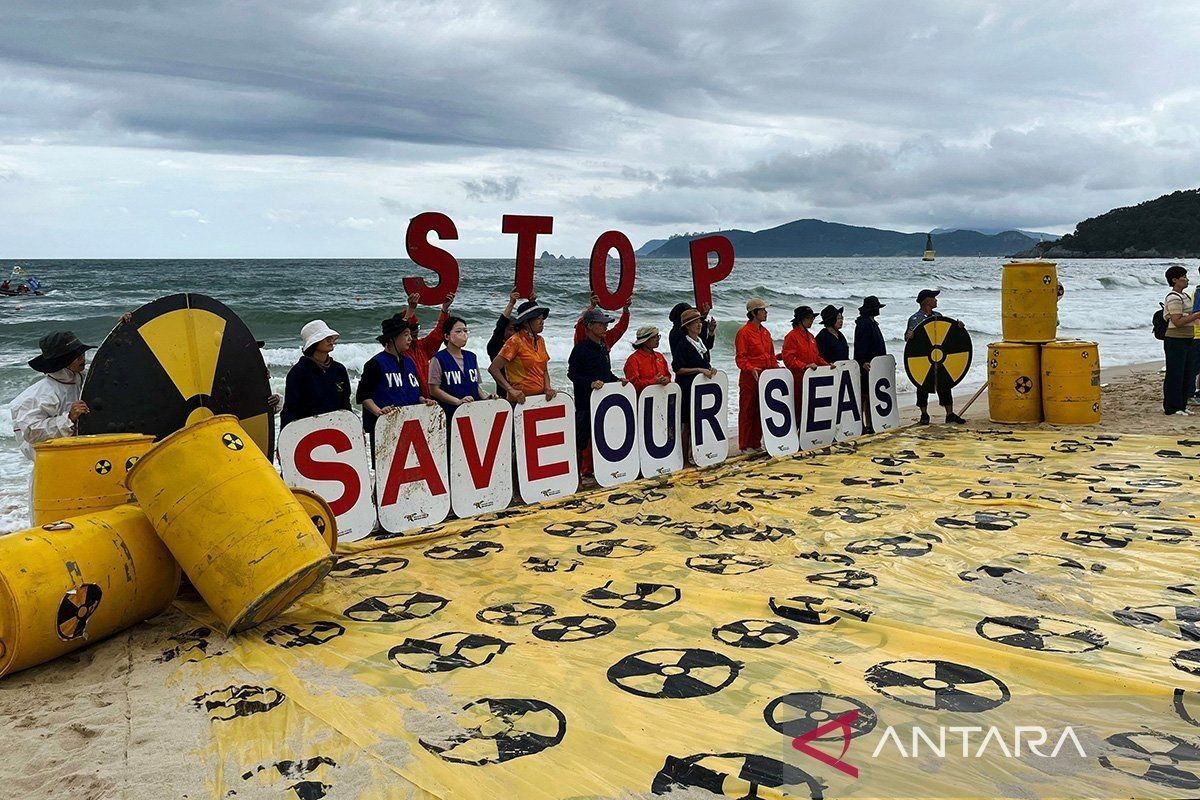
[646, 366]
[316, 384]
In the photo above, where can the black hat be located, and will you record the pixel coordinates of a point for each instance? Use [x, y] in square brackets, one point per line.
[529, 310]
[870, 303]
[829, 315]
[59, 349]
[393, 326]
[924, 293]
[803, 312]
[676, 314]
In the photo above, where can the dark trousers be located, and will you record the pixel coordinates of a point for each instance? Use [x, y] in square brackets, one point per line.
[944, 392]
[1195, 370]
[1180, 355]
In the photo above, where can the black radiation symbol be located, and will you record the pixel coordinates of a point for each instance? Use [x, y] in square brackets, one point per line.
[396, 607]
[458, 551]
[752, 493]
[647, 520]
[817, 610]
[845, 514]
[939, 352]
[232, 441]
[446, 652]
[726, 563]
[298, 771]
[1048, 634]
[574, 629]
[844, 579]
[234, 702]
[368, 565]
[1100, 539]
[939, 685]
[1073, 477]
[1176, 622]
[803, 712]
[740, 775]
[76, 609]
[723, 506]
[515, 613]
[1015, 458]
[1187, 706]
[1023, 385]
[319, 523]
[874, 483]
[755, 634]
[495, 730]
[900, 545]
[636, 498]
[1072, 446]
[632, 597]
[996, 520]
[827, 558]
[614, 548]
[1117, 466]
[103, 467]
[1040, 563]
[549, 564]
[1154, 483]
[129, 462]
[579, 528]
[1159, 758]
[303, 634]
[674, 673]
[1187, 661]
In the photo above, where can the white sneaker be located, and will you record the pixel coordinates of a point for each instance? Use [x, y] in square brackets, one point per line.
[1181, 413]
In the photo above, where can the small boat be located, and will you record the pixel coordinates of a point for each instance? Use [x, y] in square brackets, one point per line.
[18, 293]
[928, 248]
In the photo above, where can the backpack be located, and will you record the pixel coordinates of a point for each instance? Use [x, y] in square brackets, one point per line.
[1159, 321]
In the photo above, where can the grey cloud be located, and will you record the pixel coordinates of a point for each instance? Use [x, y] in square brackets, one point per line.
[508, 188]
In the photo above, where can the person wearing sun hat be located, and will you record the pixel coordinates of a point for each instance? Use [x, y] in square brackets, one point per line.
[868, 344]
[390, 378]
[50, 408]
[589, 368]
[927, 302]
[520, 366]
[316, 384]
[754, 351]
[830, 340]
[645, 365]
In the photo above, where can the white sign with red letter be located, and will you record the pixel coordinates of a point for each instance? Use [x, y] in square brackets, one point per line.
[411, 481]
[710, 419]
[481, 457]
[544, 438]
[326, 454]
[659, 443]
[614, 434]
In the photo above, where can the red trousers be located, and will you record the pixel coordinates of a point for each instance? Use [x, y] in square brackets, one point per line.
[749, 424]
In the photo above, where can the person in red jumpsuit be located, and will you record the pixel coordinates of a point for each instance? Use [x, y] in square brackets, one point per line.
[754, 351]
[800, 352]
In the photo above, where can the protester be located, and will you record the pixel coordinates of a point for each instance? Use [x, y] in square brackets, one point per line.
[868, 344]
[645, 365]
[390, 378]
[613, 335]
[691, 354]
[1193, 380]
[1179, 346]
[588, 369]
[520, 366]
[754, 351]
[316, 384]
[503, 330]
[454, 371]
[831, 342]
[424, 348]
[927, 300]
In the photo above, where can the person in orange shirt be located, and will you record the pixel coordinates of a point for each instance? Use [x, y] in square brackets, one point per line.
[612, 335]
[646, 366]
[754, 351]
[800, 352]
[425, 348]
[520, 366]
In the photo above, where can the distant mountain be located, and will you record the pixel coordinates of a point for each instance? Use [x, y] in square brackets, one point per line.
[649, 247]
[1038, 235]
[813, 237]
[1166, 227]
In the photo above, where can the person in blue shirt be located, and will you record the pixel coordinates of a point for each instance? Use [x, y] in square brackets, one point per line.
[390, 379]
[454, 375]
[831, 342]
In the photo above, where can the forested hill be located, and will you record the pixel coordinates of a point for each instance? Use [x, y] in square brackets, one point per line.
[814, 237]
[1168, 227]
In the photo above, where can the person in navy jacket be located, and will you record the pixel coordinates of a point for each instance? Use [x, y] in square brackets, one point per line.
[316, 384]
[390, 379]
[454, 375]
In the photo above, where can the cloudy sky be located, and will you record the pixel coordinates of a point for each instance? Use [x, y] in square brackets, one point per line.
[319, 127]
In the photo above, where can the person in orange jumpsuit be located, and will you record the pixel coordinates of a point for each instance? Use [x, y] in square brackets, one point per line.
[646, 366]
[754, 351]
[424, 349]
[800, 352]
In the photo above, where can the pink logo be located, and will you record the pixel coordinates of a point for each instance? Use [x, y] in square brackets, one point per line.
[844, 721]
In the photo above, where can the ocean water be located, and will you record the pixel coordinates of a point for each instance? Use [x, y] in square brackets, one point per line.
[1107, 301]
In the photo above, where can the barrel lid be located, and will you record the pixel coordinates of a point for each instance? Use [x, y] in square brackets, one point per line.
[93, 440]
[1031, 264]
[1014, 345]
[1070, 343]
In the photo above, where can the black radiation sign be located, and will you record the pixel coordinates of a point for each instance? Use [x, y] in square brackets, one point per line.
[459, 551]
[1048, 634]
[1160, 758]
[580, 528]
[495, 730]
[739, 775]
[77, 607]
[674, 673]
[447, 651]
[364, 566]
[234, 702]
[726, 563]
[303, 634]
[938, 354]
[817, 610]
[1177, 622]
[574, 629]
[178, 359]
[799, 713]
[632, 596]
[515, 613]
[396, 607]
[939, 685]
[755, 634]
[614, 548]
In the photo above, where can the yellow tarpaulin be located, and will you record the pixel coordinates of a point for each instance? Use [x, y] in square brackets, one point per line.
[675, 637]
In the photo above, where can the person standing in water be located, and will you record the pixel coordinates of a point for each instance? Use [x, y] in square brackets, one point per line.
[454, 376]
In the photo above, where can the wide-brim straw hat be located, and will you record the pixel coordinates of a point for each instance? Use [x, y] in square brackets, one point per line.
[645, 334]
[689, 316]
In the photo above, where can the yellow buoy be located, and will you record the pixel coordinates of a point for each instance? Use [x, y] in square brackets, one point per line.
[242, 538]
[1071, 382]
[321, 515]
[1014, 382]
[1029, 301]
[72, 582]
[79, 474]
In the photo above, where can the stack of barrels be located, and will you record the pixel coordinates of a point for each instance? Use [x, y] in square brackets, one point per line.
[1033, 375]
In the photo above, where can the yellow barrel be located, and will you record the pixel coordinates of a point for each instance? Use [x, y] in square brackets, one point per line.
[243, 539]
[72, 582]
[1029, 301]
[1071, 382]
[321, 515]
[1014, 382]
[80, 474]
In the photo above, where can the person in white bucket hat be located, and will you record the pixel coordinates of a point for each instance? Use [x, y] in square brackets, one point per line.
[316, 384]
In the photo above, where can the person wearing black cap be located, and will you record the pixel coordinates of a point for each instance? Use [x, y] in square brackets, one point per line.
[868, 344]
[50, 408]
[831, 341]
[927, 300]
[520, 366]
[589, 368]
[390, 379]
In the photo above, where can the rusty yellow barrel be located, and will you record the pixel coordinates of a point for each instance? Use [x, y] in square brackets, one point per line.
[80, 474]
[72, 582]
[321, 515]
[1029, 301]
[1014, 382]
[1071, 382]
[242, 538]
